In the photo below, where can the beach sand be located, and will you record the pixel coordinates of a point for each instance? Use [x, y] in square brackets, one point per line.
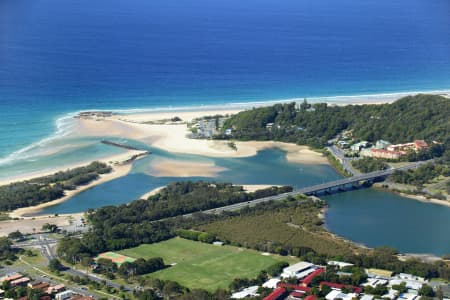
[119, 169]
[173, 138]
[177, 168]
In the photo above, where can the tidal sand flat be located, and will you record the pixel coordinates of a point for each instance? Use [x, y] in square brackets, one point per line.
[177, 168]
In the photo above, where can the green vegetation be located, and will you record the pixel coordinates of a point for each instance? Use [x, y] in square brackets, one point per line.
[124, 226]
[410, 118]
[422, 175]
[6, 250]
[290, 227]
[369, 164]
[48, 188]
[199, 265]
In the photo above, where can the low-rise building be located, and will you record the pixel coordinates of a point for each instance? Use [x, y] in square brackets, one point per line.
[379, 273]
[277, 294]
[64, 295]
[271, 283]
[21, 281]
[382, 144]
[296, 269]
[337, 294]
[251, 291]
[339, 264]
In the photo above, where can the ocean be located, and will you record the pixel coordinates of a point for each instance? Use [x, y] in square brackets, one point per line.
[59, 57]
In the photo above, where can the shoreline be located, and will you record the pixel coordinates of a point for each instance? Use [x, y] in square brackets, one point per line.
[349, 99]
[121, 165]
[419, 198]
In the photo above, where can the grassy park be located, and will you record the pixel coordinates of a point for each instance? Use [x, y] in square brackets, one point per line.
[200, 265]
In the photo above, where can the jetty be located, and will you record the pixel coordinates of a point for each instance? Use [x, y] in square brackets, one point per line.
[123, 146]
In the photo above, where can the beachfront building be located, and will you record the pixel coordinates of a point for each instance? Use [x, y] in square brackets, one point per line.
[417, 145]
[381, 153]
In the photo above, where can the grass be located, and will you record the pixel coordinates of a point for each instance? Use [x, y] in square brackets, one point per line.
[199, 265]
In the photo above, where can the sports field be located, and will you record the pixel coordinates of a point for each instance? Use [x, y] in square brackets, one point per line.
[200, 265]
[115, 257]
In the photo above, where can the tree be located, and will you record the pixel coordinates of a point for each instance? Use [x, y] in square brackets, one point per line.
[55, 265]
[426, 290]
[50, 227]
[15, 235]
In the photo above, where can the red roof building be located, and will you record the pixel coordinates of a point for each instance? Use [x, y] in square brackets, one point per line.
[294, 287]
[307, 280]
[420, 145]
[339, 286]
[296, 295]
[310, 297]
[277, 294]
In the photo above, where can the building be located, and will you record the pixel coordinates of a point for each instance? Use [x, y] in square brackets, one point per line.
[21, 281]
[410, 284]
[373, 282]
[340, 264]
[295, 296]
[277, 294]
[339, 287]
[382, 144]
[379, 273]
[12, 277]
[337, 294]
[359, 146]
[56, 289]
[294, 287]
[64, 295]
[410, 277]
[271, 283]
[296, 269]
[307, 280]
[367, 297]
[382, 153]
[251, 291]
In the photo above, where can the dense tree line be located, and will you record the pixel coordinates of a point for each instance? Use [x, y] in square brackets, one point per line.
[124, 226]
[407, 119]
[193, 235]
[369, 164]
[48, 188]
[422, 175]
[6, 250]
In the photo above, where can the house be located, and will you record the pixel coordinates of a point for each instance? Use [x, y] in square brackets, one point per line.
[343, 144]
[382, 144]
[251, 291]
[408, 296]
[410, 284]
[42, 286]
[21, 281]
[358, 146]
[12, 277]
[391, 294]
[228, 131]
[295, 269]
[269, 126]
[277, 294]
[56, 289]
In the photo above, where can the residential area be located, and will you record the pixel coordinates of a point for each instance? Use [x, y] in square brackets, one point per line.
[344, 281]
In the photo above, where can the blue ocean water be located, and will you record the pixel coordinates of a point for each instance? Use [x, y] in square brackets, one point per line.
[57, 57]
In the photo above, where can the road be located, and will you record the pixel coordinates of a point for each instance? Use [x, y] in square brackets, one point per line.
[345, 161]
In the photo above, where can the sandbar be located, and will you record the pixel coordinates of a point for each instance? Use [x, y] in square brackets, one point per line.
[178, 168]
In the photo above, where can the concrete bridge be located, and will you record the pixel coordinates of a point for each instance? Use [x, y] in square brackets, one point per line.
[344, 184]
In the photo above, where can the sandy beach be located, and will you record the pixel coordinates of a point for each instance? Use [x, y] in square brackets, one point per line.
[177, 168]
[426, 200]
[173, 137]
[119, 169]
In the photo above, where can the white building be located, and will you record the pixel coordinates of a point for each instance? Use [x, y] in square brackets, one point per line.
[411, 277]
[367, 297]
[296, 269]
[373, 282]
[337, 294]
[247, 292]
[407, 296]
[391, 294]
[340, 264]
[64, 295]
[271, 283]
[410, 284]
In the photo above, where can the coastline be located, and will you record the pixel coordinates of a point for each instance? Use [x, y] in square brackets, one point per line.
[121, 165]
